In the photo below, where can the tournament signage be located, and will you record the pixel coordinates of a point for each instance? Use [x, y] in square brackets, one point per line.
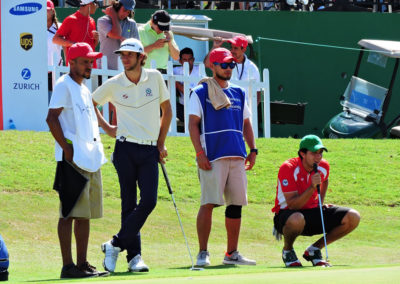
[24, 95]
[26, 41]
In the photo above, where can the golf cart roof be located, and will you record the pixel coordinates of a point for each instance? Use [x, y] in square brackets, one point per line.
[388, 48]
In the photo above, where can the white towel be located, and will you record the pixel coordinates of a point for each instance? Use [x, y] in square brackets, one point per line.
[88, 149]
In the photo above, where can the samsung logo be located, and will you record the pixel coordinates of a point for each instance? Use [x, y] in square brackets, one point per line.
[25, 9]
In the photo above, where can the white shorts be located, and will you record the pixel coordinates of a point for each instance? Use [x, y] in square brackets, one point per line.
[227, 178]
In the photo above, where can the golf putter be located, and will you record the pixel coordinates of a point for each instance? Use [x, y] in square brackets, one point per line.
[179, 218]
[315, 168]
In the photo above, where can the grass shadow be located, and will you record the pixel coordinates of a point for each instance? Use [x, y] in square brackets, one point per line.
[211, 267]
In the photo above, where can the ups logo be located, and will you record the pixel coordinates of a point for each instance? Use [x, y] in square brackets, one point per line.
[26, 40]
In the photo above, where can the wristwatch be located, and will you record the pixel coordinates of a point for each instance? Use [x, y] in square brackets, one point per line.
[255, 150]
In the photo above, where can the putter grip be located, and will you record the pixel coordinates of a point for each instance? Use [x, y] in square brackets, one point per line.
[166, 178]
[315, 168]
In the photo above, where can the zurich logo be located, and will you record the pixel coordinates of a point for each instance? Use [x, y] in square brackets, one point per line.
[26, 74]
[285, 182]
[25, 9]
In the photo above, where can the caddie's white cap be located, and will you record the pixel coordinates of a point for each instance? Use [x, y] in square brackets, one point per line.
[131, 44]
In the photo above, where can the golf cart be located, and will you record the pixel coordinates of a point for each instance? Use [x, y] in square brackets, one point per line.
[365, 104]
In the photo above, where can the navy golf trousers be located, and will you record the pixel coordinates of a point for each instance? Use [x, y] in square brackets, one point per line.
[136, 165]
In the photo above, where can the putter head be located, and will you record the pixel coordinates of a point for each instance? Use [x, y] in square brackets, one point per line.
[195, 268]
[327, 264]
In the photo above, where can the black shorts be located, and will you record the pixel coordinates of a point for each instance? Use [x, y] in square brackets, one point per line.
[332, 218]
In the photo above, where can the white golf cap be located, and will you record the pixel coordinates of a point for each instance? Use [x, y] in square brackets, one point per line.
[85, 2]
[131, 44]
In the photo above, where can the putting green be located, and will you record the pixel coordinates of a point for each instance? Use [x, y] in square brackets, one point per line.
[298, 275]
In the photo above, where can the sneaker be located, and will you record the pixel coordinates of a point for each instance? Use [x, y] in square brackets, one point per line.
[137, 264]
[203, 258]
[72, 271]
[315, 257]
[86, 266]
[237, 258]
[290, 259]
[4, 275]
[111, 255]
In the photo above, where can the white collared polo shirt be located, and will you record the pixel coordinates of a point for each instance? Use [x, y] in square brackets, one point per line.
[137, 105]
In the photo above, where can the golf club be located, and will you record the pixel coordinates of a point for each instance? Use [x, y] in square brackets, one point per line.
[177, 213]
[315, 168]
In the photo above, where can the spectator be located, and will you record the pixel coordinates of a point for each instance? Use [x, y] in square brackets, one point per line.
[52, 49]
[116, 26]
[158, 41]
[245, 69]
[79, 27]
[185, 55]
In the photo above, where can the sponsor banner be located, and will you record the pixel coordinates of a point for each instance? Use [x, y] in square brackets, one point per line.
[24, 64]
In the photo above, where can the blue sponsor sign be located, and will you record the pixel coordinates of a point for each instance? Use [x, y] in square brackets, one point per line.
[26, 74]
[25, 9]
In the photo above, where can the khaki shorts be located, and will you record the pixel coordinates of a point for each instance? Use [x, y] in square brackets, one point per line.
[226, 179]
[90, 203]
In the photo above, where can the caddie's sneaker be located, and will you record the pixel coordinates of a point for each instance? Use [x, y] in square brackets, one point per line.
[315, 257]
[237, 258]
[290, 259]
[72, 271]
[86, 266]
[111, 255]
[137, 264]
[4, 275]
[203, 258]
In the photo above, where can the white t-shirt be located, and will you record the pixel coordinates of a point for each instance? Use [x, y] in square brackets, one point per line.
[53, 48]
[137, 105]
[246, 71]
[61, 98]
[195, 73]
[195, 107]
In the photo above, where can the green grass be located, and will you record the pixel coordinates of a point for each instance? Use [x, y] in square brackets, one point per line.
[364, 175]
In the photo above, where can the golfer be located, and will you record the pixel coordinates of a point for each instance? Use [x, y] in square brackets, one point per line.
[219, 119]
[73, 123]
[138, 94]
[296, 205]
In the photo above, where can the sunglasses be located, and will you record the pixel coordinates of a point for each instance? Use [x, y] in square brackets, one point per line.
[226, 65]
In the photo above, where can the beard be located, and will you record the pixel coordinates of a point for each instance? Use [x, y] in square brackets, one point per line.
[221, 77]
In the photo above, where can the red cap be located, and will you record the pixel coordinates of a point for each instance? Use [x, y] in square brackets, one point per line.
[50, 5]
[221, 55]
[239, 41]
[82, 49]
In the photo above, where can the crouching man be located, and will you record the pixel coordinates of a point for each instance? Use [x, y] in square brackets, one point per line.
[297, 209]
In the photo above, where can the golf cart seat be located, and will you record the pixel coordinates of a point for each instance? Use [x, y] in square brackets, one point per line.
[364, 99]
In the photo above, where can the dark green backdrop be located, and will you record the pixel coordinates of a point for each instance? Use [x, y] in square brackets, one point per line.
[313, 75]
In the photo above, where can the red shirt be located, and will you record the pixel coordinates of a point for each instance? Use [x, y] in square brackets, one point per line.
[293, 176]
[78, 28]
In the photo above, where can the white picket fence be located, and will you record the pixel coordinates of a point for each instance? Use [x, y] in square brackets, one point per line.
[250, 86]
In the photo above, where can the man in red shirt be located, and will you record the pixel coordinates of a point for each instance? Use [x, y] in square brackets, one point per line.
[296, 204]
[79, 27]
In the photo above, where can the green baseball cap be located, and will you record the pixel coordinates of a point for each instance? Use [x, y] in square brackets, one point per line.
[312, 143]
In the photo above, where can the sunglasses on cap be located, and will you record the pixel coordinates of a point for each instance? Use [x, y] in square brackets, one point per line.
[225, 65]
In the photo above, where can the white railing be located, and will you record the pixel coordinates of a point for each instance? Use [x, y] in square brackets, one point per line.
[251, 87]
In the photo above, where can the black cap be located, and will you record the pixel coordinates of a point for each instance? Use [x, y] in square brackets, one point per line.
[161, 18]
